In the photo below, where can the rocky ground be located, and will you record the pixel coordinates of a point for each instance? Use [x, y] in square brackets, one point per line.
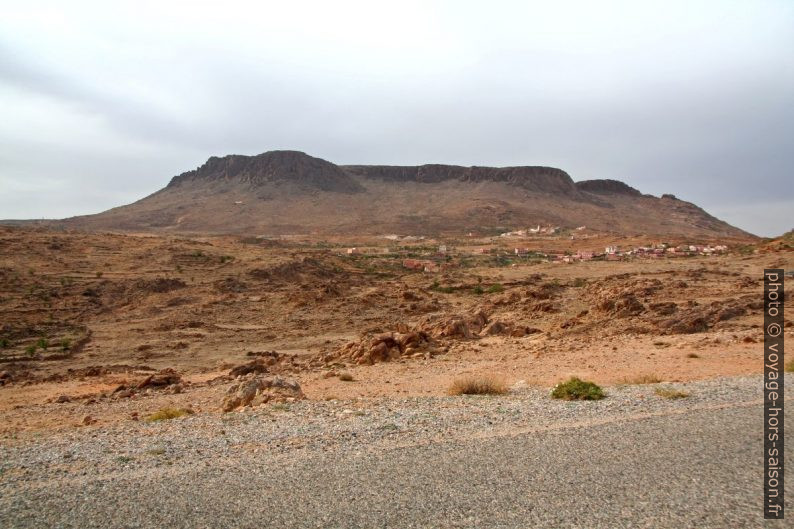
[111, 327]
[634, 459]
[274, 364]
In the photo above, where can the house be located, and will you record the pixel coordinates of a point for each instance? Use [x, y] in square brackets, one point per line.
[351, 251]
[430, 267]
[521, 251]
[584, 256]
[414, 264]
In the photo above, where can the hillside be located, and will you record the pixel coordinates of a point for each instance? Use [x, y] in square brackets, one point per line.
[289, 192]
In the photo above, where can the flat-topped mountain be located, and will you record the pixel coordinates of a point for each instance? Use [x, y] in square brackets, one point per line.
[290, 192]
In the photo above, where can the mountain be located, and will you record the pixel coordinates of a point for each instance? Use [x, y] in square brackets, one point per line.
[290, 192]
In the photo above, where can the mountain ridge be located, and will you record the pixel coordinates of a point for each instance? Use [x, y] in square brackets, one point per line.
[289, 192]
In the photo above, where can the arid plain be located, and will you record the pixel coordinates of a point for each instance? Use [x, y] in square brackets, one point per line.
[106, 327]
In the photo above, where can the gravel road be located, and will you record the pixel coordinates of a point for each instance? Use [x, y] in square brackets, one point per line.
[522, 460]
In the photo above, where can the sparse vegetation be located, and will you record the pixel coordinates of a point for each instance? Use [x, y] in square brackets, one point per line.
[478, 290]
[99, 274]
[5, 343]
[790, 366]
[346, 377]
[30, 350]
[436, 287]
[43, 343]
[478, 385]
[671, 393]
[496, 288]
[164, 414]
[579, 282]
[66, 344]
[642, 379]
[577, 389]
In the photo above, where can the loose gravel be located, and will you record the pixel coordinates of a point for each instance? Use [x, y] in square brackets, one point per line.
[113, 476]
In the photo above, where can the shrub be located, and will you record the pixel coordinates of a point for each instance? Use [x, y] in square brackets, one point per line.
[579, 282]
[164, 414]
[577, 389]
[478, 385]
[4, 343]
[670, 393]
[31, 349]
[99, 275]
[495, 288]
[693, 355]
[66, 344]
[478, 290]
[642, 379]
[43, 343]
[346, 377]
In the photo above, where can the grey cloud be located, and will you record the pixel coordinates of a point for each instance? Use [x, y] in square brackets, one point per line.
[709, 118]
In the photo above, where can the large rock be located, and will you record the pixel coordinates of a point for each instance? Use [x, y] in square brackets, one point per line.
[256, 390]
[166, 377]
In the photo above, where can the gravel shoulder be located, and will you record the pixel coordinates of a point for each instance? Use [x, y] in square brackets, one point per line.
[631, 460]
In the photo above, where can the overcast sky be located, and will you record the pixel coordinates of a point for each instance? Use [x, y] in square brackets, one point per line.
[103, 102]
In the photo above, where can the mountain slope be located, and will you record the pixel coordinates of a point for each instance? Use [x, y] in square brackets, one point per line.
[283, 192]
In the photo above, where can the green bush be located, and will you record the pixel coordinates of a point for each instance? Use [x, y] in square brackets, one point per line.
[496, 288]
[577, 389]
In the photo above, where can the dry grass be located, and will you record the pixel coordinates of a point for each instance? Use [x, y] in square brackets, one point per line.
[478, 385]
[670, 393]
[642, 379]
[165, 414]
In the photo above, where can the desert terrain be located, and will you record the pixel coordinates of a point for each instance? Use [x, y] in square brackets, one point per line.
[101, 328]
[150, 379]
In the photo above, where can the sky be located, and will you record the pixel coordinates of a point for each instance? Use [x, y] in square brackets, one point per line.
[101, 103]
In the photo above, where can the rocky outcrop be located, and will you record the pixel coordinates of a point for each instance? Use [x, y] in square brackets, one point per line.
[534, 178]
[607, 187]
[285, 167]
[255, 390]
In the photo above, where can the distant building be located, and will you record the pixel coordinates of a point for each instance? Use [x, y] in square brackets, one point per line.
[351, 251]
[414, 264]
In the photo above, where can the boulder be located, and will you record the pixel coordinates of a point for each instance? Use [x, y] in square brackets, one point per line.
[258, 390]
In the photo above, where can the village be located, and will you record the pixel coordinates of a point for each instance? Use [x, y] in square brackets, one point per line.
[426, 255]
